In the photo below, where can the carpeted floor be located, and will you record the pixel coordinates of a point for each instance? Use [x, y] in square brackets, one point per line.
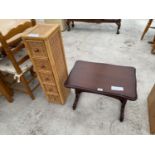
[95, 114]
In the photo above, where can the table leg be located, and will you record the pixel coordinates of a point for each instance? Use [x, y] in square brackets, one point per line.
[77, 95]
[123, 101]
[119, 26]
[72, 23]
[68, 25]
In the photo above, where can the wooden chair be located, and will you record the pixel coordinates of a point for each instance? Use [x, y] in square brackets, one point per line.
[13, 41]
[17, 61]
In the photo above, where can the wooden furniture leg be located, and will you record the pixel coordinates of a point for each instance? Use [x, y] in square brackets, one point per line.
[77, 95]
[27, 88]
[73, 23]
[68, 25]
[119, 26]
[6, 91]
[123, 103]
[153, 46]
[146, 28]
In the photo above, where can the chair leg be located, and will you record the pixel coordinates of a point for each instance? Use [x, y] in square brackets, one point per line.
[32, 72]
[5, 90]
[27, 87]
[153, 46]
[146, 28]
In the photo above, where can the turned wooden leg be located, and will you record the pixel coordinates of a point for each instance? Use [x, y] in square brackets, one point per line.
[123, 101]
[118, 26]
[146, 28]
[77, 95]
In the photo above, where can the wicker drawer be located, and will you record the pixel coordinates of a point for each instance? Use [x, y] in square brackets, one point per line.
[50, 89]
[47, 78]
[42, 64]
[38, 49]
[54, 98]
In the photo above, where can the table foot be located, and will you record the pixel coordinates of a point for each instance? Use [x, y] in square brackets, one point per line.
[123, 101]
[77, 95]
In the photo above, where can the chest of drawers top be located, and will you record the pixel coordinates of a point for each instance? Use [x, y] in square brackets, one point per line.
[41, 31]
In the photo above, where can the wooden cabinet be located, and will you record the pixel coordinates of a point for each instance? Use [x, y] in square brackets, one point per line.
[45, 48]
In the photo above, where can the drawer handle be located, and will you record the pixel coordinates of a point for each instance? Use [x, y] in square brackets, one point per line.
[43, 66]
[36, 50]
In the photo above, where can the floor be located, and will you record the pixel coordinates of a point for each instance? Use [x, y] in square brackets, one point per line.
[95, 114]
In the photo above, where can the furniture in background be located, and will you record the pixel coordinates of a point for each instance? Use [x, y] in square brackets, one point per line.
[17, 61]
[7, 24]
[45, 47]
[151, 110]
[147, 28]
[116, 21]
[5, 90]
[145, 31]
[114, 81]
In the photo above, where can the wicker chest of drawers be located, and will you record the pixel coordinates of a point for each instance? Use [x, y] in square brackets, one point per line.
[45, 48]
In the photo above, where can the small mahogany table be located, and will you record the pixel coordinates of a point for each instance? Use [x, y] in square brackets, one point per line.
[116, 21]
[114, 81]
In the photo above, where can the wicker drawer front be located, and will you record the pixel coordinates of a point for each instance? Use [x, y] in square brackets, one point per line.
[51, 89]
[42, 64]
[47, 78]
[38, 49]
[54, 98]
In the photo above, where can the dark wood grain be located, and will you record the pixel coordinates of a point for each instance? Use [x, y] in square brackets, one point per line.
[92, 77]
[116, 21]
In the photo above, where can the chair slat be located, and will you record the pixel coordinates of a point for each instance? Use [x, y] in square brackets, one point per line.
[19, 29]
[23, 59]
[18, 48]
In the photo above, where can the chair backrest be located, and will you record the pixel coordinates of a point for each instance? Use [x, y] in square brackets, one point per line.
[12, 50]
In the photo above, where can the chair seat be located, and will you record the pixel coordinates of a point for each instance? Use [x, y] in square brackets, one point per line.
[7, 66]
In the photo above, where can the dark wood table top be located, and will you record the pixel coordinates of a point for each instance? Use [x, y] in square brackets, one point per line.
[103, 79]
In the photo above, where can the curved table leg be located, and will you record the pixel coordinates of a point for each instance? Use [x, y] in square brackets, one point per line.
[77, 95]
[123, 101]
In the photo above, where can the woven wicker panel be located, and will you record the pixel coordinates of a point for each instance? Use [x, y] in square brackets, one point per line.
[57, 50]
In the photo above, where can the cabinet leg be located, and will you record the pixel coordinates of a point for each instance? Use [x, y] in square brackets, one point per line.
[123, 101]
[77, 95]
